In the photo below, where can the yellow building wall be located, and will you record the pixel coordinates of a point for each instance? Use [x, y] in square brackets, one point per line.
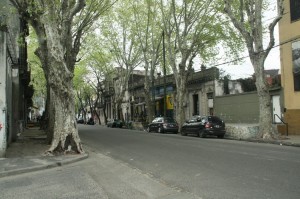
[289, 31]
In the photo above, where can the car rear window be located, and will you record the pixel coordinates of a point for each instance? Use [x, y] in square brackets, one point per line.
[170, 120]
[214, 119]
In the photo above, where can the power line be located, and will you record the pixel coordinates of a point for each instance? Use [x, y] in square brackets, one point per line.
[244, 57]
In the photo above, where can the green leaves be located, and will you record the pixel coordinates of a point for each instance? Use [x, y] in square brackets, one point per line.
[37, 74]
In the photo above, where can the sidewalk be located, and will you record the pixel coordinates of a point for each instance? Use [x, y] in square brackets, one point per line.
[291, 140]
[26, 154]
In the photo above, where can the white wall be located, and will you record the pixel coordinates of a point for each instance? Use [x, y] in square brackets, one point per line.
[3, 104]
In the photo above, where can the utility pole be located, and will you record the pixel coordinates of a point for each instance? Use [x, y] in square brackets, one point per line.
[153, 94]
[164, 66]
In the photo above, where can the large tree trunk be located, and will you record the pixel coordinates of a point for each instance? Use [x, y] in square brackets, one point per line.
[181, 81]
[252, 32]
[266, 130]
[65, 129]
[180, 97]
[61, 125]
[150, 102]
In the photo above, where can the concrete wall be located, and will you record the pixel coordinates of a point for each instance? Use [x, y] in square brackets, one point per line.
[241, 131]
[241, 108]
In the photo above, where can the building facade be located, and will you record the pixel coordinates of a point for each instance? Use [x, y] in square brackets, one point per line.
[289, 36]
[202, 88]
[15, 94]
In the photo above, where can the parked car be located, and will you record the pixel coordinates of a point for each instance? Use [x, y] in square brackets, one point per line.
[115, 123]
[80, 121]
[194, 118]
[91, 121]
[162, 125]
[203, 126]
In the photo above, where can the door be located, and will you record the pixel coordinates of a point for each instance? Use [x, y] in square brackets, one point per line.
[276, 108]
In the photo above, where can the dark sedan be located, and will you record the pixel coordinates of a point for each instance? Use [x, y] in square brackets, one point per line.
[162, 125]
[203, 126]
[115, 123]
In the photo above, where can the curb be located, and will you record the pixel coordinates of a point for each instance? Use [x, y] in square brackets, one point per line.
[276, 142]
[42, 167]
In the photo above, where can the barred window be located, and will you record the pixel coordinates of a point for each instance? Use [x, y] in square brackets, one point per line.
[295, 10]
[296, 64]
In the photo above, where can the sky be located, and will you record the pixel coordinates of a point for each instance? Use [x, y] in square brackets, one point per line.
[245, 69]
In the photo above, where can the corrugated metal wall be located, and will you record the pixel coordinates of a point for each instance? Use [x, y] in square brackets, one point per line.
[240, 108]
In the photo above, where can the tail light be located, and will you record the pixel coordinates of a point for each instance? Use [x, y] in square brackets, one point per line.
[208, 125]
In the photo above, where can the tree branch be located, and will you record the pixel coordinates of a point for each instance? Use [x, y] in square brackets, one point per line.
[78, 6]
[272, 26]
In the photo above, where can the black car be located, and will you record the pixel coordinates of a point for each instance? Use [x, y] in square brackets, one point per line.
[162, 125]
[91, 121]
[80, 121]
[203, 126]
[115, 123]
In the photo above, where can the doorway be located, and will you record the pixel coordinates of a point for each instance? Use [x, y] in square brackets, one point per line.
[195, 104]
[276, 108]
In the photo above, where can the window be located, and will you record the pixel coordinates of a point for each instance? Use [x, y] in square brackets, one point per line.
[159, 120]
[296, 64]
[295, 10]
[195, 104]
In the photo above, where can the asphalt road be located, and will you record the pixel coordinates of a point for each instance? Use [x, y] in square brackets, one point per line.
[207, 168]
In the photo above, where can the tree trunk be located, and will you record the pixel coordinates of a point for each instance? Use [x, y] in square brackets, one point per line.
[46, 120]
[180, 98]
[149, 103]
[266, 130]
[65, 137]
[98, 117]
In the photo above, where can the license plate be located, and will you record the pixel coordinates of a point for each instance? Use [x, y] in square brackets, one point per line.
[217, 126]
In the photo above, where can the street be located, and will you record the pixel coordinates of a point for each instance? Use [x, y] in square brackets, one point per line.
[129, 164]
[208, 168]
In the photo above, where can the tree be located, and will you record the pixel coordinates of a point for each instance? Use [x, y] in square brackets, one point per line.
[59, 26]
[192, 28]
[80, 74]
[37, 75]
[100, 69]
[119, 31]
[149, 34]
[246, 16]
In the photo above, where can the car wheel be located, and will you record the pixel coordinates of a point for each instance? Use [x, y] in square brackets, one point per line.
[159, 130]
[183, 133]
[148, 129]
[220, 136]
[201, 134]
